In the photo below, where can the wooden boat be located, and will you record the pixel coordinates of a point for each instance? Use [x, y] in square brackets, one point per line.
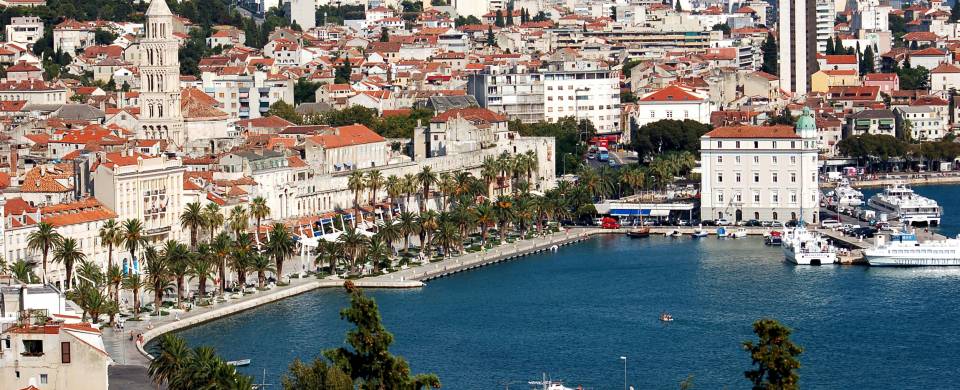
[239, 363]
[639, 233]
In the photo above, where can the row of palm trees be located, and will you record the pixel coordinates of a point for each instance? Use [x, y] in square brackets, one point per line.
[519, 169]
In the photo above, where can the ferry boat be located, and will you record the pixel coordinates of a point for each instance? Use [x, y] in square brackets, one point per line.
[547, 384]
[806, 247]
[900, 202]
[845, 196]
[904, 250]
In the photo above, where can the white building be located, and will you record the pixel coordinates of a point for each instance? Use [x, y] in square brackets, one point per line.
[798, 44]
[143, 187]
[924, 122]
[53, 357]
[71, 36]
[583, 90]
[672, 102]
[825, 21]
[760, 172]
[475, 8]
[346, 148]
[246, 95]
[25, 29]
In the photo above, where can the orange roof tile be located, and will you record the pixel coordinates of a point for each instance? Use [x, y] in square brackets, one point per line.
[779, 131]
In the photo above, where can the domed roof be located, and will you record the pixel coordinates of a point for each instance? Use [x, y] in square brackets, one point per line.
[806, 126]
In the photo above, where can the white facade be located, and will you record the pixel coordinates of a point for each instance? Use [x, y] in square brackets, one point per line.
[765, 173]
[54, 357]
[924, 122]
[25, 30]
[797, 45]
[592, 95]
[825, 21]
[246, 96]
[672, 103]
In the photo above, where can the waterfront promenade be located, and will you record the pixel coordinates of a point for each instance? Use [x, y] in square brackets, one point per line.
[125, 351]
[887, 179]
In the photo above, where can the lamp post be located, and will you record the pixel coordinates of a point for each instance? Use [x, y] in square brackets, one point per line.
[624, 358]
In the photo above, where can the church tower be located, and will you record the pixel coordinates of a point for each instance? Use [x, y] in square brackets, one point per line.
[160, 116]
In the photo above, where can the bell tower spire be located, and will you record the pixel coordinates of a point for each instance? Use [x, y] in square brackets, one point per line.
[160, 116]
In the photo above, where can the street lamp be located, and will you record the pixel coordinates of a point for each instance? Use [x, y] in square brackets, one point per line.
[624, 358]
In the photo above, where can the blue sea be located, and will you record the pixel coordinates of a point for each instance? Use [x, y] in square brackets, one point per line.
[572, 314]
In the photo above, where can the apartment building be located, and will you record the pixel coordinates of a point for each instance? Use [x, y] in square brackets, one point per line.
[246, 95]
[24, 29]
[53, 356]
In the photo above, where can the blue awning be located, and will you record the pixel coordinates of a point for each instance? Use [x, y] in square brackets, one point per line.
[630, 212]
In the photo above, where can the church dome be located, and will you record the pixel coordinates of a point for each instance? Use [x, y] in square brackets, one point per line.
[806, 126]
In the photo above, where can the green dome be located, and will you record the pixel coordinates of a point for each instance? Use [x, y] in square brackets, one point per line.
[806, 126]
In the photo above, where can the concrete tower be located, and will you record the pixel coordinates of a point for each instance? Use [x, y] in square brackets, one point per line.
[160, 116]
[798, 44]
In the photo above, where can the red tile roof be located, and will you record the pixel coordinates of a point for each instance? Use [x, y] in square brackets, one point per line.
[347, 136]
[474, 114]
[82, 211]
[779, 131]
[671, 93]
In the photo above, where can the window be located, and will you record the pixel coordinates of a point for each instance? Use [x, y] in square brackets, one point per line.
[737, 159]
[720, 196]
[756, 197]
[756, 144]
[669, 114]
[719, 144]
[756, 177]
[774, 159]
[774, 198]
[756, 159]
[793, 197]
[65, 352]
[32, 348]
[43, 379]
[738, 177]
[738, 197]
[738, 144]
[719, 159]
[719, 178]
[793, 159]
[774, 177]
[793, 177]
[774, 144]
[793, 144]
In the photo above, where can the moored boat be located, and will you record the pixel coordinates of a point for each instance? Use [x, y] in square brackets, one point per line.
[639, 233]
[773, 238]
[239, 363]
[722, 232]
[699, 232]
[807, 247]
[739, 233]
[904, 250]
[900, 202]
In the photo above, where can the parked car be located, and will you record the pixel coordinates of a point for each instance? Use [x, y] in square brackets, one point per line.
[830, 223]
[752, 223]
[766, 223]
[723, 222]
[776, 225]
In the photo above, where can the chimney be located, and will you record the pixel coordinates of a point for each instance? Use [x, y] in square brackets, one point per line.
[14, 162]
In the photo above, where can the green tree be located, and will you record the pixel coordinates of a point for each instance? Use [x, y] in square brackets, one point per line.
[68, 253]
[192, 218]
[103, 37]
[867, 62]
[831, 48]
[44, 239]
[774, 356]
[667, 135]
[954, 13]
[509, 13]
[280, 246]
[368, 360]
[305, 91]
[259, 210]
[498, 20]
[284, 110]
[677, 7]
[315, 376]
[770, 56]
[384, 34]
[342, 73]
[491, 39]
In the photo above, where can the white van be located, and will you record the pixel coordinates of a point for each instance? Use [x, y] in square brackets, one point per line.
[830, 224]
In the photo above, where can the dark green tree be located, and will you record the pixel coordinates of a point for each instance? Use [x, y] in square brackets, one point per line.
[831, 48]
[103, 37]
[954, 12]
[316, 375]
[491, 39]
[783, 118]
[499, 19]
[284, 110]
[677, 7]
[384, 34]
[305, 91]
[721, 27]
[774, 356]
[770, 56]
[541, 17]
[667, 135]
[510, 13]
[343, 72]
[368, 360]
[867, 62]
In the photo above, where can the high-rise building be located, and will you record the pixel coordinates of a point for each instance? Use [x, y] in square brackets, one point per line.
[798, 44]
[160, 116]
[825, 22]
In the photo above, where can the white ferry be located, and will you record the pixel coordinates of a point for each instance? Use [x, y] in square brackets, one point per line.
[805, 247]
[845, 196]
[900, 202]
[904, 250]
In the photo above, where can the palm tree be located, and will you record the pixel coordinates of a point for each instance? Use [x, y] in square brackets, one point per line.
[447, 186]
[259, 210]
[212, 219]
[375, 182]
[485, 217]
[356, 184]
[68, 252]
[110, 236]
[22, 271]
[489, 171]
[114, 279]
[177, 257]
[377, 252]
[202, 267]
[523, 212]
[158, 275]
[261, 265]
[172, 359]
[192, 218]
[240, 256]
[390, 232]
[409, 188]
[505, 165]
[425, 179]
[134, 283]
[131, 235]
[44, 239]
[328, 253]
[503, 209]
[239, 220]
[447, 237]
[394, 187]
[221, 247]
[354, 245]
[280, 246]
[428, 224]
[408, 225]
[531, 163]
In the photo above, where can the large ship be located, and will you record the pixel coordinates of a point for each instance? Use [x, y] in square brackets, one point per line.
[903, 249]
[900, 202]
[807, 247]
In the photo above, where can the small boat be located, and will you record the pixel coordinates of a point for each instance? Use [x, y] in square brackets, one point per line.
[674, 233]
[739, 233]
[774, 238]
[239, 363]
[639, 233]
[722, 233]
[699, 232]
[666, 317]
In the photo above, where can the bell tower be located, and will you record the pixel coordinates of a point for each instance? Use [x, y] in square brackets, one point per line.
[160, 116]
